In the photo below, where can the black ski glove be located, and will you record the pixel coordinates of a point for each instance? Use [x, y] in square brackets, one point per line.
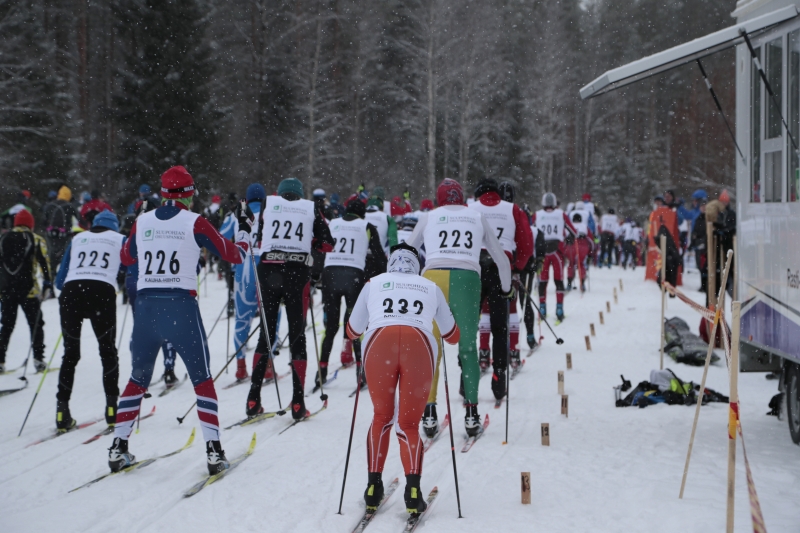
[245, 217]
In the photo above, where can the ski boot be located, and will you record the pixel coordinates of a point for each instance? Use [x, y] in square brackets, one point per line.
[430, 423]
[415, 502]
[322, 375]
[472, 420]
[111, 411]
[543, 309]
[569, 284]
[170, 379]
[118, 456]
[2, 368]
[374, 493]
[64, 421]
[531, 338]
[299, 411]
[215, 455]
[515, 359]
[347, 353]
[560, 311]
[241, 370]
[254, 401]
[39, 365]
[483, 359]
[498, 384]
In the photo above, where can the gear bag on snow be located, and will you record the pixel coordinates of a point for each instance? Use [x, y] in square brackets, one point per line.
[684, 346]
[665, 387]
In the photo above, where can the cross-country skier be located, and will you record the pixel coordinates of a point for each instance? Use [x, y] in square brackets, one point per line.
[21, 250]
[87, 281]
[510, 225]
[290, 227]
[167, 243]
[378, 217]
[609, 226]
[553, 223]
[244, 286]
[343, 277]
[453, 235]
[630, 244]
[395, 311]
[131, 280]
[580, 247]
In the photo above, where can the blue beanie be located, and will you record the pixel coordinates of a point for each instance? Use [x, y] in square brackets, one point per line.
[106, 219]
[144, 189]
[255, 192]
[291, 185]
[700, 194]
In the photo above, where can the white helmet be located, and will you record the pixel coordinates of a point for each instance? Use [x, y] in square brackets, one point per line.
[570, 207]
[549, 200]
[580, 205]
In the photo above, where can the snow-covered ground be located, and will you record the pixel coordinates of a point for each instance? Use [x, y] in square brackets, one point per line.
[606, 470]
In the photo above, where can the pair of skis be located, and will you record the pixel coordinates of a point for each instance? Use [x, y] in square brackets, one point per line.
[263, 383]
[413, 520]
[138, 464]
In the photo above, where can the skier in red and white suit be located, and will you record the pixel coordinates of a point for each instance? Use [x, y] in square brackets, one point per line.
[395, 311]
[580, 247]
[553, 222]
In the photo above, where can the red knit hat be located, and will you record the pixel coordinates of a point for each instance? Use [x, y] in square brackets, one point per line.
[177, 183]
[216, 199]
[586, 197]
[426, 205]
[24, 218]
[449, 193]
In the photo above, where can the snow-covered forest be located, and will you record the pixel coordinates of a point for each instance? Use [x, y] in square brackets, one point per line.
[403, 93]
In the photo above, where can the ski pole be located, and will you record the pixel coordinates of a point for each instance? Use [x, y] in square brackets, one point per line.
[322, 395]
[217, 321]
[228, 338]
[122, 329]
[349, 441]
[559, 340]
[450, 425]
[41, 382]
[508, 366]
[33, 341]
[231, 358]
[263, 317]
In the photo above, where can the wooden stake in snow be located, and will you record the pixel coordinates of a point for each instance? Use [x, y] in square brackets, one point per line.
[561, 382]
[588, 343]
[663, 295]
[608, 307]
[615, 296]
[565, 405]
[569, 361]
[526, 487]
[620, 285]
[733, 408]
[591, 330]
[545, 434]
[710, 351]
[602, 320]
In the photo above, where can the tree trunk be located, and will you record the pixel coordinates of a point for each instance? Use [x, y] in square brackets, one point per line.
[431, 115]
[311, 99]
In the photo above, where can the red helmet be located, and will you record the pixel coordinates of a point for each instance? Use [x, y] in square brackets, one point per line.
[586, 197]
[426, 205]
[216, 199]
[177, 183]
[449, 193]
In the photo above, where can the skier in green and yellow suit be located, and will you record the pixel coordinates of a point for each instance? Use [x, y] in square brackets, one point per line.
[453, 235]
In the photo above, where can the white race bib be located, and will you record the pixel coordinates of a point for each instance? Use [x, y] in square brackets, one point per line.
[351, 244]
[95, 256]
[551, 223]
[379, 220]
[167, 252]
[454, 234]
[288, 225]
[609, 223]
[580, 219]
[402, 299]
[501, 218]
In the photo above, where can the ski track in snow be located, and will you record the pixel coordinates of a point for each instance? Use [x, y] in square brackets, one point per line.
[606, 470]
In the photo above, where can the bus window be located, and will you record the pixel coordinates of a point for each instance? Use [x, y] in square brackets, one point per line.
[793, 99]
[755, 133]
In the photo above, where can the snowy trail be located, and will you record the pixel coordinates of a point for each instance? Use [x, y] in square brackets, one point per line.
[606, 470]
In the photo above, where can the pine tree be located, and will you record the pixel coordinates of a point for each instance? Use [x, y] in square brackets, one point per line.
[33, 122]
[165, 107]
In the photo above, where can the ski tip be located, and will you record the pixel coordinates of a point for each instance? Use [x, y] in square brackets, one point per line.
[191, 437]
[486, 420]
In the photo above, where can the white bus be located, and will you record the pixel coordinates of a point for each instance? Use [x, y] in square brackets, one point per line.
[767, 178]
